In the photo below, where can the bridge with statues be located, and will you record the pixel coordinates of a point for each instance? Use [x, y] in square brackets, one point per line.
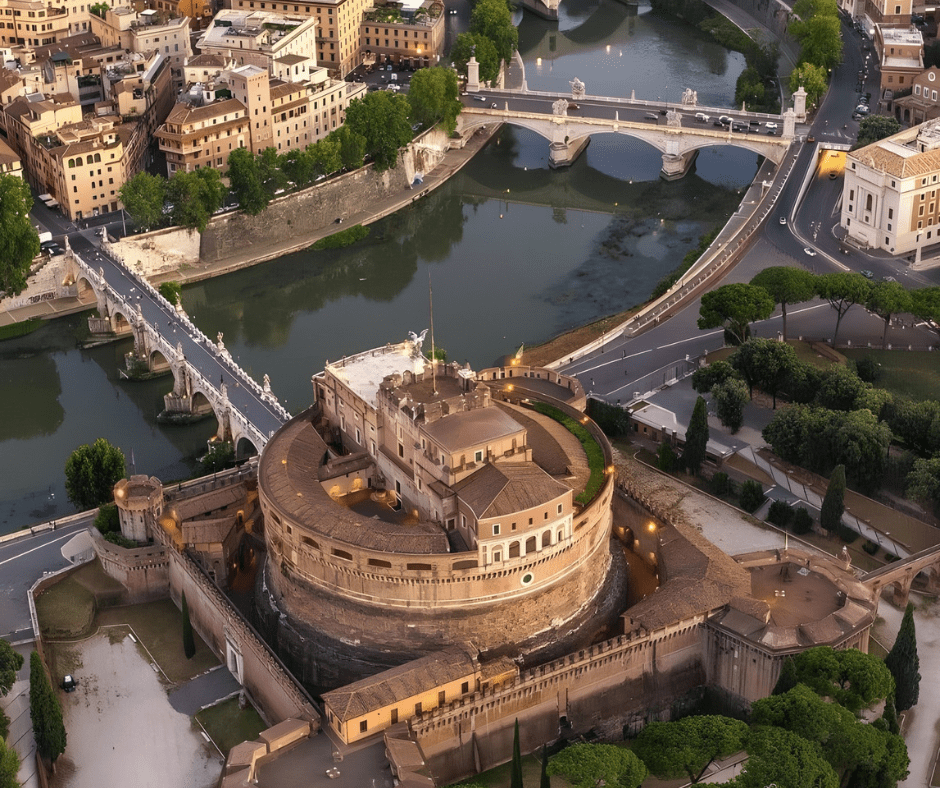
[568, 121]
[206, 379]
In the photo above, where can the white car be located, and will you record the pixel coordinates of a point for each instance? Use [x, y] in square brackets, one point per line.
[810, 252]
[770, 126]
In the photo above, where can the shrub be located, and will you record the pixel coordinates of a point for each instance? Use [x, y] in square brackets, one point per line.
[722, 484]
[106, 520]
[343, 238]
[752, 495]
[666, 458]
[846, 534]
[595, 454]
[780, 513]
[867, 369]
[802, 521]
[870, 547]
[118, 539]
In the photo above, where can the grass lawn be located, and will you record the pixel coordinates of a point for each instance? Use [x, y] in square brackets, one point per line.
[159, 626]
[67, 609]
[229, 725]
[911, 374]
[498, 777]
[804, 352]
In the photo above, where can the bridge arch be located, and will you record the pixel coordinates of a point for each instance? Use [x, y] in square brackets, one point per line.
[119, 322]
[158, 362]
[244, 447]
[203, 405]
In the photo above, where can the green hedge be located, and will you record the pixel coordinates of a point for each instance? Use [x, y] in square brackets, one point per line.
[595, 454]
[20, 329]
[343, 238]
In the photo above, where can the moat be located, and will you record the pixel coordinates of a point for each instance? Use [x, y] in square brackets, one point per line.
[516, 253]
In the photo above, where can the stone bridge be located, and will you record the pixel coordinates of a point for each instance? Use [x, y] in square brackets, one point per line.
[674, 131]
[901, 574]
[206, 380]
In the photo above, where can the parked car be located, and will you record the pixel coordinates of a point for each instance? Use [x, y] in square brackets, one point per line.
[479, 98]
[69, 683]
[651, 116]
[701, 117]
[867, 274]
[811, 252]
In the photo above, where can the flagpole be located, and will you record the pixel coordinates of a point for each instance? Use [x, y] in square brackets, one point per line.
[433, 355]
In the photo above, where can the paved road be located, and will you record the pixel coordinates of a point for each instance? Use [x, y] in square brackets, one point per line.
[22, 562]
[202, 355]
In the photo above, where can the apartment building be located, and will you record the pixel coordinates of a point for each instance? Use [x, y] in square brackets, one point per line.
[888, 12]
[32, 23]
[900, 51]
[890, 196]
[407, 34]
[922, 103]
[145, 31]
[10, 162]
[337, 37]
[204, 136]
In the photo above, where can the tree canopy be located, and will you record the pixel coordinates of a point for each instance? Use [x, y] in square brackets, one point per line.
[765, 363]
[734, 307]
[19, 241]
[904, 663]
[812, 79]
[873, 128]
[685, 748]
[479, 46]
[842, 290]
[195, 196]
[786, 285]
[833, 506]
[887, 299]
[493, 19]
[245, 178]
[382, 120]
[583, 765]
[45, 711]
[696, 438]
[434, 97]
[778, 757]
[730, 397]
[10, 663]
[143, 197]
[9, 766]
[851, 677]
[91, 473]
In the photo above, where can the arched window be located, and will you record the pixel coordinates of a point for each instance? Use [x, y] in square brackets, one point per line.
[78, 162]
[868, 203]
[546, 539]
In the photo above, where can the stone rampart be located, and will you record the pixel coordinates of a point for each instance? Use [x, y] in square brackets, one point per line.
[257, 669]
[143, 571]
[607, 685]
[46, 282]
[152, 254]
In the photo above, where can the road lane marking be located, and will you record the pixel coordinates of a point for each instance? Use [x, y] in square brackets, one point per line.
[34, 549]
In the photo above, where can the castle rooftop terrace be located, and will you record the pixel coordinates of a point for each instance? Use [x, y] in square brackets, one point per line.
[364, 372]
[796, 595]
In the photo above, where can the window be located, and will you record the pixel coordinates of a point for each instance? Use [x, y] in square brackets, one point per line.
[559, 508]
[478, 456]
[495, 529]
[868, 202]
[465, 687]
[418, 707]
[363, 726]
[890, 213]
[394, 716]
[440, 698]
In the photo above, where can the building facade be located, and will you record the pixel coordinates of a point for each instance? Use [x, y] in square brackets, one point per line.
[411, 36]
[900, 51]
[889, 198]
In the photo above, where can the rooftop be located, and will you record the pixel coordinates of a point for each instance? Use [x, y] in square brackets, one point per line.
[909, 153]
[507, 488]
[472, 428]
[364, 372]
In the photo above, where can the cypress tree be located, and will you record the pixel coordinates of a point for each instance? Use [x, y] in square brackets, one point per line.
[904, 663]
[189, 644]
[515, 774]
[830, 516]
[545, 781]
[890, 716]
[45, 711]
[787, 679]
[696, 438]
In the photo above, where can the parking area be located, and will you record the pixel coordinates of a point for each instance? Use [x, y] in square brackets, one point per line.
[121, 727]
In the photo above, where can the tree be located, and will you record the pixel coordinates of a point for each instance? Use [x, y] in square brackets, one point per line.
[298, 166]
[666, 459]
[696, 438]
[786, 285]
[730, 398]
[687, 747]
[45, 711]
[584, 765]
[830, 516]
[925, 304]
[749, 89]
[382, 120]
[9, 766]
[468, 45]
[170, 291]
[189, 643]
[434, 97]
[221, 455]
[923, 482]
[19, 241]
[850, 677]
[91, 473]
[765, 363]
[839, 388]
[784, 759]
[107, 520]
[875, 127]
[752, 495]
[904, 663]
[820, 41]
[803, 712]
[143, 197]
[245, 179]
[195, 196]
[99, 9]
[812, 79]
[10, 662]
[272, 177]
[493, 19]
[704, 379]
[544, 780]
[352, 147]
[734, 307]
[887, 299]
[327, 154]
[842, 291]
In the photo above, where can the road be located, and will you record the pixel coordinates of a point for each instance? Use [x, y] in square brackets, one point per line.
[204, 357]
[625, 363]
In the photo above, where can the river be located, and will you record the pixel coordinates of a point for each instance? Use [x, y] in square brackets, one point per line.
[515, 253]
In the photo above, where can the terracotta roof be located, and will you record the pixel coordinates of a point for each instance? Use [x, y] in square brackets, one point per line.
[206, 61]
[504, 488]
[185, 113]
[398, 684]
[472, 428]
[8, 79]
[895, 155]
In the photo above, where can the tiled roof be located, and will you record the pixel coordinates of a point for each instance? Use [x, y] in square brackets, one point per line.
[472, 428]
[184, 113]
[502, 489]
[895, 155]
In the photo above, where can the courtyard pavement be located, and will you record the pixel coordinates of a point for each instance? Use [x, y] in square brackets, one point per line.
[204, 690]
[122, 703]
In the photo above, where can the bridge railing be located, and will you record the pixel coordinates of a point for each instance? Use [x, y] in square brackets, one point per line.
[716, 111]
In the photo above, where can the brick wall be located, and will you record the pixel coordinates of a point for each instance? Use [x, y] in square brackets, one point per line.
[143, 571]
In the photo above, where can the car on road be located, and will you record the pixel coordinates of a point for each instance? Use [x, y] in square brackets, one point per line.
[651, 116]
[888, 279]
[740, 127]
[783, 220]
[572, 105]
[867, 274]
[811, 252]
[479, 98]
[724, 120]
[770, 126]
[701, 117]
[833, 175]
[493, 105]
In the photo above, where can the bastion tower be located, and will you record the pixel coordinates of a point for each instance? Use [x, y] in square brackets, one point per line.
[408, 510]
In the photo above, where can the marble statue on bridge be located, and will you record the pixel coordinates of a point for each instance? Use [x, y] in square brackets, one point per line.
[560, 107]
[673, 119]
[689, 97]
[577, 88]
[219, 341]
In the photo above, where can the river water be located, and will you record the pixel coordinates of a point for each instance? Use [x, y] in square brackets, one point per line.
[515, 253]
